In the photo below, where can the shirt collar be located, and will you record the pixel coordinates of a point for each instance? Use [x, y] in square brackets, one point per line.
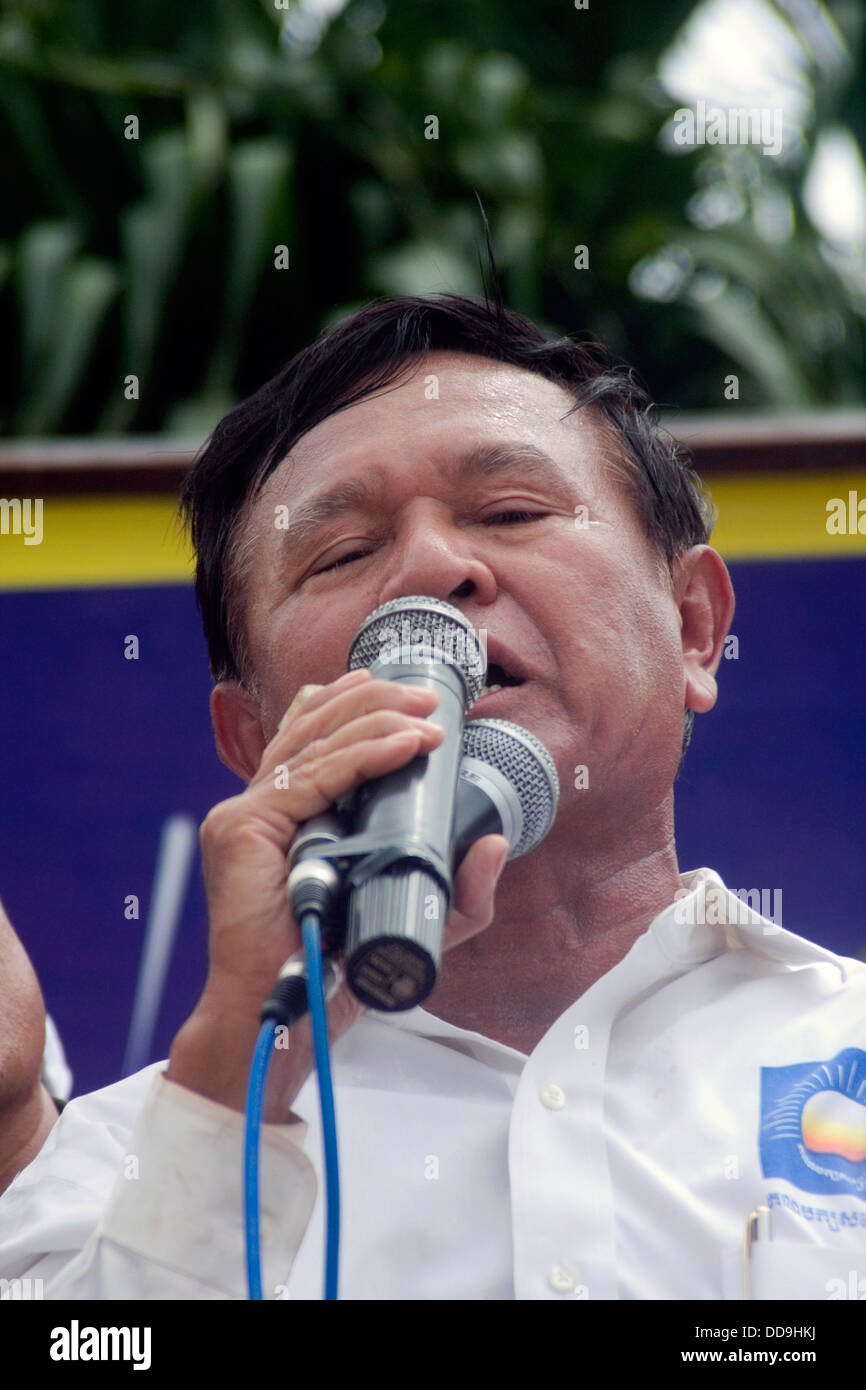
[705, 920]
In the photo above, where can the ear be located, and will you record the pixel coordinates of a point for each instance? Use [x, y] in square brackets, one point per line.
[705, 598]
[237, 725]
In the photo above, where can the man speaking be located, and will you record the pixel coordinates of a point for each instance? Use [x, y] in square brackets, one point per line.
[609, 1081]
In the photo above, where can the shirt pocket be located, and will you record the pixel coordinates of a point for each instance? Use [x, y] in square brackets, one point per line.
[786, 1269]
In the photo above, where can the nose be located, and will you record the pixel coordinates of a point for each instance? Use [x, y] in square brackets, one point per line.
[432, 555]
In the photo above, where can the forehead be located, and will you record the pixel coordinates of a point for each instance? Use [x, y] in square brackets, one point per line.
[440, 405]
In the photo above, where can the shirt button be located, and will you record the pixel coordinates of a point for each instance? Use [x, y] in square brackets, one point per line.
[552, 1096]
[562, 1278]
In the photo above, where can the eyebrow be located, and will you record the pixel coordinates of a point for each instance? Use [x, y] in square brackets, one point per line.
[482, 460]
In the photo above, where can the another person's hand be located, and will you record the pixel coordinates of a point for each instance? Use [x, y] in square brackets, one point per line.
[27, 1112]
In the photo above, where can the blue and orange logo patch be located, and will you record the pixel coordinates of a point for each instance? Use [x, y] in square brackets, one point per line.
[813, 1124]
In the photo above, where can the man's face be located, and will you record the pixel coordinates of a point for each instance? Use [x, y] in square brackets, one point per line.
[486, 496]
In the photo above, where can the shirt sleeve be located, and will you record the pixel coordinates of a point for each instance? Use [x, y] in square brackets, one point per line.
[173, 1225]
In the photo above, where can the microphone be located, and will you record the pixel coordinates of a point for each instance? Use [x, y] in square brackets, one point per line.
[314, 885]
[399, 892]
[508, 786]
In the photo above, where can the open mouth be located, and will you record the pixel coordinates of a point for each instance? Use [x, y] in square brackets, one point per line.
[498, 679]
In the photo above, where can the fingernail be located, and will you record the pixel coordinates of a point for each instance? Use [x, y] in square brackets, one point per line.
[302, 695]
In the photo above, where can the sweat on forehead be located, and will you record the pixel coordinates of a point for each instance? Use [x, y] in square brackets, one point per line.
[343, 463]
[509, 419]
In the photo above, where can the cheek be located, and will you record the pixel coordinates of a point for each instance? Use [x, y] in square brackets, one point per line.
[657, 644]
[305, 646]
[621, 620]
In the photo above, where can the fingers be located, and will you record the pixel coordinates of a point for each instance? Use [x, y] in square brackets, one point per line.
[475, 889]
[333, 738]
[308, 696]
[325, 709]
[302, 697]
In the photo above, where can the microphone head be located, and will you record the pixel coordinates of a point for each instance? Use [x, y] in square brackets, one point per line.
[417, 629]
[527, 767]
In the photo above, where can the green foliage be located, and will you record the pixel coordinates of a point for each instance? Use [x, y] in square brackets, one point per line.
[259, 126]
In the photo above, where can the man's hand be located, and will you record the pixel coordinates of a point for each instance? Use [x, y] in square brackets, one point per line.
[331, 739]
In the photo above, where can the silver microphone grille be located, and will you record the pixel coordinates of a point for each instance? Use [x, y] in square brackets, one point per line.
[528, 766]
[418, 628]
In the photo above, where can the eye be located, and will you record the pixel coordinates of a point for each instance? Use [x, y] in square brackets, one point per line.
[512, 518]
[343, 560]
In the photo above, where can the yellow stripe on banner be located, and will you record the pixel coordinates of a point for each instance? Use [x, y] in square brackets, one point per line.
[96, 542]
[129, 540]
[774, 516]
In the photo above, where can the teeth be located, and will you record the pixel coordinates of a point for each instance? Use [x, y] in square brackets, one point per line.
[489, 689]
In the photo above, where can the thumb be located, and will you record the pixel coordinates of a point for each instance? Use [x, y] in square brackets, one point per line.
[474, 889]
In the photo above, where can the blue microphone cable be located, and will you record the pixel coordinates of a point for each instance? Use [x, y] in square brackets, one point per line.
[289, 991]
[318, 1018]
[255, 1105]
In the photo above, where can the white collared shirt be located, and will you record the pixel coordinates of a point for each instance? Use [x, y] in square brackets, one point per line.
[620, 1160]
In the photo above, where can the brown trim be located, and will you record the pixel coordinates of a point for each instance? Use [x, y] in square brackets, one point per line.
[93, 466]
[725, 442]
